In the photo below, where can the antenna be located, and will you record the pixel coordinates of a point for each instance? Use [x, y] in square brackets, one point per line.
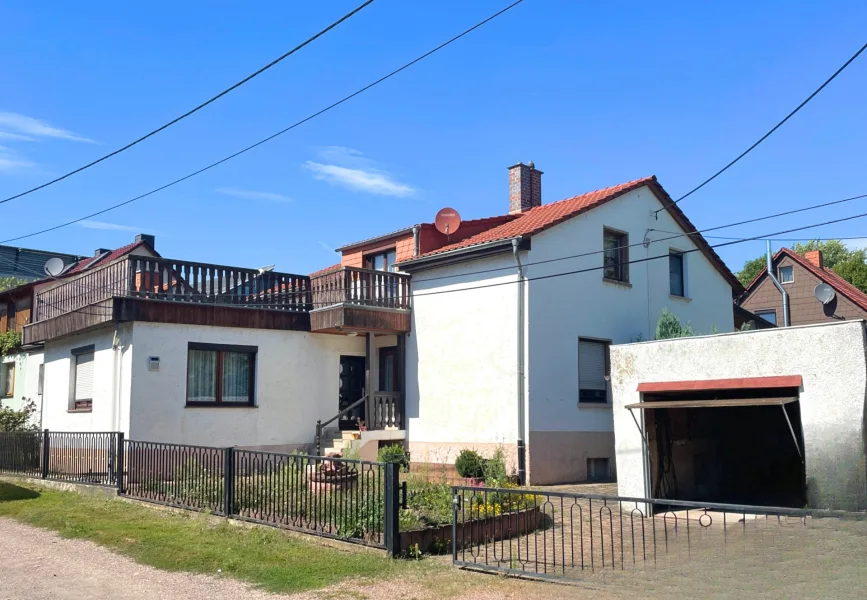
[54, 267]
[824, 293]
[447, 221]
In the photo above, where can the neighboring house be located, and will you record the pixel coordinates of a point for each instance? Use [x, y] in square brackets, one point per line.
[27, 264]
[521, 361]
[799, 276]
[772, 417]
[745, 320]
[20, 370]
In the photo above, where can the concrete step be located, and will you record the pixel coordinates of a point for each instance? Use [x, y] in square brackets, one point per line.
[349, 435]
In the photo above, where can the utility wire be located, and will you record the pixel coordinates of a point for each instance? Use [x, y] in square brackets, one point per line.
[271, 137]
[197, 108]
[774, 128]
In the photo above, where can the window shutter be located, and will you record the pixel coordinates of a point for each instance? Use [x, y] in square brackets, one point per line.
[84, 377]
[591, 365]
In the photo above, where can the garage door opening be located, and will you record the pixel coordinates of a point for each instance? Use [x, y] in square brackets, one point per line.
[731, 446]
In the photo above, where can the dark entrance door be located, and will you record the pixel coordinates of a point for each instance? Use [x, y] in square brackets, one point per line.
[352, 375]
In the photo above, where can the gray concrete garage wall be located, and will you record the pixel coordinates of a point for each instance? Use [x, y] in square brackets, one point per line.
[831, 359]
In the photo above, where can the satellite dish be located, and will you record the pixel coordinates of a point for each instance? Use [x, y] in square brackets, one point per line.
[824, 293]
[54, 267]
[447, 221]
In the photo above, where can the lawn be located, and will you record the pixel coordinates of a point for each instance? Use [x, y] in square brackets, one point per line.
[270, 559]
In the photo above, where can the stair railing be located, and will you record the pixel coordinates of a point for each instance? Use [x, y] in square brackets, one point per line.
[320, 425]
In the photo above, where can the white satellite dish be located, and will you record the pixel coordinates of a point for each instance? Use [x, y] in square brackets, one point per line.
[54, 267]
[824, 293]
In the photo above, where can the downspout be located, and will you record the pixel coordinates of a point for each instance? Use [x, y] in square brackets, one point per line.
[415, 240]
[779, 287]
[522, 459]
[117, 347]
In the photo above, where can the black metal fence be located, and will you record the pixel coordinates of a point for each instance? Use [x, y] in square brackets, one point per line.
[567, 535]
[75, 457]
[352, 500]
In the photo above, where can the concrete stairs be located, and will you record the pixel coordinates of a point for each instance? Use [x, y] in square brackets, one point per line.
[364, 444]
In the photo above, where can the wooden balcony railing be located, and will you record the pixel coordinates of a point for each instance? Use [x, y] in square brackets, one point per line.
[81, 290]
[385, 410]
[366, 287]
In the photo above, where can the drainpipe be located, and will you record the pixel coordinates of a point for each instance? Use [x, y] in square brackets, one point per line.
[779, 287]
[117, 347]
[522, 459]
[415, 240]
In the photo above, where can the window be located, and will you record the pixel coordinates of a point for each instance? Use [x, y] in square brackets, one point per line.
[382, 261]
[82, 385]
[616, 255]
[768, 315]
[597, 469]
[787, 274]
[220, 375]
[676, 281]
[593, 371]
[7, 379]
[10, 317]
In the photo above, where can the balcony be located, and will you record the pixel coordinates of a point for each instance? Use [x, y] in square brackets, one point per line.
[139, 288]
[360, 300]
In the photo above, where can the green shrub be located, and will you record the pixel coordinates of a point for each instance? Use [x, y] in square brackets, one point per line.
[393, 453]
[431, 503]
[496, 474]
[470, 464]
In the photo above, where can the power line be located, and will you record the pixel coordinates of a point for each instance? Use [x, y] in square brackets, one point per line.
[675, 236]
[801, 239]
[639, 260]
[197, 108]
[279, 133]
[775, 127]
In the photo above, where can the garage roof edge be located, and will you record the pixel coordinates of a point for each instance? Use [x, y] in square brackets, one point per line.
[750, 383]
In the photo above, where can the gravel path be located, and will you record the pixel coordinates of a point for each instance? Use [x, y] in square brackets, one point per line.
[38, 564]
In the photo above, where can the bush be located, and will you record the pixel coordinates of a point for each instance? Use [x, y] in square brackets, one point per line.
[18, 420]
[495, 469]
[470, 464]
[393, 453]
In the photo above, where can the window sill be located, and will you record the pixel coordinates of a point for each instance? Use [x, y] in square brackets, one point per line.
[218, 405]
[617, 282]
[594, 404]
[681, 298]
[79, 410]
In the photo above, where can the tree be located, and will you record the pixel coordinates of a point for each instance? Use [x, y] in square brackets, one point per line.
[18, 420]
[849, 264]
[668, 327]
[7, 283]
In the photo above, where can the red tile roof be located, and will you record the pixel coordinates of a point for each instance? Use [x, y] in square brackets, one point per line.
[326, 270]
[89, 263]
[540, 218]
[840, 285]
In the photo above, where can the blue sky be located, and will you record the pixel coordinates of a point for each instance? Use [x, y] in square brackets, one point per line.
[594, 93]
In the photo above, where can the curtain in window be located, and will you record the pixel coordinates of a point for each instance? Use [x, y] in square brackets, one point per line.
[202, 376]
[236, 377]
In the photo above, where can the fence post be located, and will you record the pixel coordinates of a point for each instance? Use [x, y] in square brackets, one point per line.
[392, 509]
[120, 460]
[46, 451]
[229, 482]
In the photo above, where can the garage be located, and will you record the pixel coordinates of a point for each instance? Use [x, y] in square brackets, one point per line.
[737, 441]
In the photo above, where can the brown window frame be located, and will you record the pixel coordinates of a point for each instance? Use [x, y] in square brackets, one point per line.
[621, 266]
[370, 260]
[84, 404]
[221, 349]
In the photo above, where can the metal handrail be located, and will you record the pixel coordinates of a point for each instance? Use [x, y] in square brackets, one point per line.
[320, 424]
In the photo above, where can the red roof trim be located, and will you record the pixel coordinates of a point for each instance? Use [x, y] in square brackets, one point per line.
[742, 383]
[826, 275]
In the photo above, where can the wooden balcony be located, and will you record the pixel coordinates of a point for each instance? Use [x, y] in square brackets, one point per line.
[360, 300]
[139, 288]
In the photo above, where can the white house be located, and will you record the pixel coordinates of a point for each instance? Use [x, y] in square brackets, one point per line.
[512, 326]
[768, 417]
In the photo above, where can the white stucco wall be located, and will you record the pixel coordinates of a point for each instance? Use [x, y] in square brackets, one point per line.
[562, 309]
[296, 384]
[461, 359]
[109, 398]
[829, 357]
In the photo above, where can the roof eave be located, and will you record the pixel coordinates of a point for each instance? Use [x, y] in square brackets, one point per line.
[459, 254]
[380, 238]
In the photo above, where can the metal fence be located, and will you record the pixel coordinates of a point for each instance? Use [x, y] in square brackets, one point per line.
[76, 457]
[21, 453]
[566, 535]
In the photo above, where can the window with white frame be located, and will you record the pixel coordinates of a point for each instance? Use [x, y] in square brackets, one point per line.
[676, 273]
[593, 371]
[82, 374]
[787, 274]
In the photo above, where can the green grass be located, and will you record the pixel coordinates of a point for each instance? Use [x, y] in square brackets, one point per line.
[266, 558]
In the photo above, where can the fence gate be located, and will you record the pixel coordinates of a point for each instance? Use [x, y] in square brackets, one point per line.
[570, 536]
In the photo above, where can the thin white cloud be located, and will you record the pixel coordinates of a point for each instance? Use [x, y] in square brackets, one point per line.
[5, 135]
[371, 181]
[253, 195]
[343, 156]
[11, 162]
[88, 224]
[22, 125]
[326, 246]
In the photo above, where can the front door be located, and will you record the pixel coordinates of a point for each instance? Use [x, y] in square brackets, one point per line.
[352, 375]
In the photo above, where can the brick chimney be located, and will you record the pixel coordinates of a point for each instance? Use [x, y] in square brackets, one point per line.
[816, 258]
[525, 187]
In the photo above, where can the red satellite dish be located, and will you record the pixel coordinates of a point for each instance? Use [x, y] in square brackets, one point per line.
[447, 221]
